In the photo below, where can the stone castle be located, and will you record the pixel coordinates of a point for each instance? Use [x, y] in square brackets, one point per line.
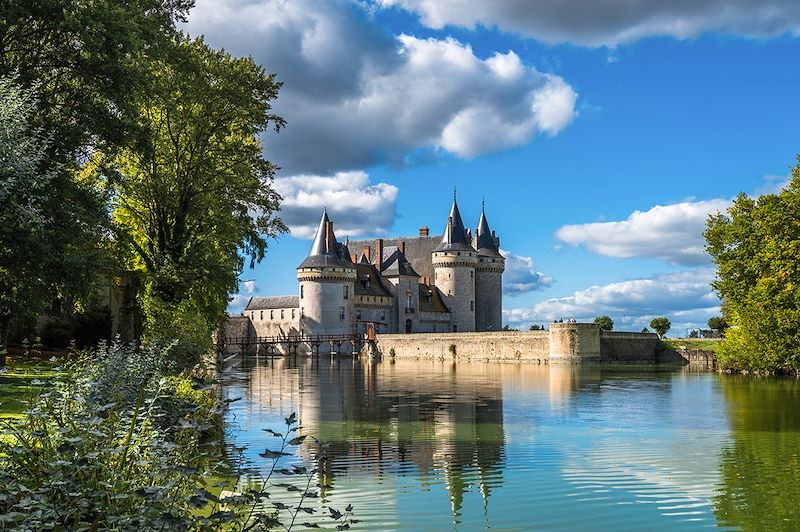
[447, 283]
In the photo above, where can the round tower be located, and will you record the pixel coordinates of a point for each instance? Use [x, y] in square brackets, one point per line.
[454, 261]
[327, 281]
[488, 278]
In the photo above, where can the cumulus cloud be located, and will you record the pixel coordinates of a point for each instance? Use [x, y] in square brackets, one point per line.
[668, 232]
[237, 303]
[249, 286]
[355, 96]
[684, 297]
[355, 205]
[611, 22]
[521, 276]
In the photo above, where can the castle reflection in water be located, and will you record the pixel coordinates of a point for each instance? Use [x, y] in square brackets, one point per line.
[388, 419]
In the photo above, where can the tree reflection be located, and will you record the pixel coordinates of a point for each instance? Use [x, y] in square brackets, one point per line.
[761, 468]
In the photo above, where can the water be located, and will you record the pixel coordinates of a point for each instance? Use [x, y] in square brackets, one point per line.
[419, 445]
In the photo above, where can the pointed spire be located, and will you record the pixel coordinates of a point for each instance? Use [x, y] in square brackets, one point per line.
[485, 241]
[455, 236]
[325, 250]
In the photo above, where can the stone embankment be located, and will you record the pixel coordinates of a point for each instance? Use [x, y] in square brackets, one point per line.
[569, 343]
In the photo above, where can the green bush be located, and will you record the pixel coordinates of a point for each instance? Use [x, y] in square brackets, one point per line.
[120, 442]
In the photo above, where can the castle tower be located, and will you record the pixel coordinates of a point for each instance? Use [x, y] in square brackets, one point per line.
[327, 282]
[488, 278]
[454, 262]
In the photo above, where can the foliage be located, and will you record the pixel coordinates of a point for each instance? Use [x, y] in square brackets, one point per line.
[645, 330]
[718, 324]
[70, 76]
[86, 61]
[604, 322]
[660, 325]
[119, 442]
[708, 344]
[755, 246]
[197, 200]
[535, 327]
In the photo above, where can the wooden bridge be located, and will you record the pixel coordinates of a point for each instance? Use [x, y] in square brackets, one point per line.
[338, 344]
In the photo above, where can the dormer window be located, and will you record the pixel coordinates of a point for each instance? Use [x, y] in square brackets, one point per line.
[367, 284]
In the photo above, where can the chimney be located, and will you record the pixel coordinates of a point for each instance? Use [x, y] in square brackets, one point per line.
[379, 253]
[354, 258]
[403, 247]
[423, 231]
[367, 253]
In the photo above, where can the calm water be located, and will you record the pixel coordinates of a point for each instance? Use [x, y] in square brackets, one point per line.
[436, 446]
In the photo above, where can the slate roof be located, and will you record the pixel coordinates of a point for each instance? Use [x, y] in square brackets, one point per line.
[326, 252]
[261, 303]
[486, 243]
[431, 300]
[375, 287]
[455, 236]
[397, 265]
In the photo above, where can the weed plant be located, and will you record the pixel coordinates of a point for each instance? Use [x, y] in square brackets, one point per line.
[121, 442]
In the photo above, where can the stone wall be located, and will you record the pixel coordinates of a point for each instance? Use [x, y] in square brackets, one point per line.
[506, 346]
[564, 343]
[625, 347]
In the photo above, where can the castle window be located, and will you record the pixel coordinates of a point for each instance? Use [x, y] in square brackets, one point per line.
[292, 313]
[358, 314]
[471, 274]
[301, 291]
[341, 313]
[302, 311]
[281, 313]
[383, 315]
[346, 291]
[459, 253]
[272, 314]
[471, 304]
[367, 284]
[261, 317]
[252, 314]
[455, 328]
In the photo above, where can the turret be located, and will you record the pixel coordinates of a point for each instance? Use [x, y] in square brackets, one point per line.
[488, 278]
[454, 262]
[327, 281]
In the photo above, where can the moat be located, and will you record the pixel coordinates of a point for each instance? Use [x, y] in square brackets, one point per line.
[429, 445]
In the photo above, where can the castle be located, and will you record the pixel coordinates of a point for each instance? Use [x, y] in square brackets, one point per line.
[447, 283]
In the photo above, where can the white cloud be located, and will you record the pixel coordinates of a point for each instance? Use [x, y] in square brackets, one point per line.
[669, 232]
[355, 205]
[684, 297]
[773, 184]
[611, 22]
[237, 303]
[521, 276]
[249, 286]
[355, 96]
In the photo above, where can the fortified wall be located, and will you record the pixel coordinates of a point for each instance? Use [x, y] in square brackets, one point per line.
[568, 343]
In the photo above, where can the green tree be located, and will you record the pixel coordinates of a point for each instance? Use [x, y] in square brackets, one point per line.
[755, 246]
[718, 323]
[604, 322]
[198, 201]
[660, 325]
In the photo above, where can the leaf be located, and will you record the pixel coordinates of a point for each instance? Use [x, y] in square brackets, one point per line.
[223, 516]
[280, 506]
[291, 420]
[305, 509]
[276, 434]
[348, 508]
[310, 525]
[343, 527]
[272, 454]
[335, 514]
[297, 441]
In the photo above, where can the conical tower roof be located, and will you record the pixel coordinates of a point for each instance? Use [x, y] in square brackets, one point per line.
[325, 250]
[485, 240]
[455, 236]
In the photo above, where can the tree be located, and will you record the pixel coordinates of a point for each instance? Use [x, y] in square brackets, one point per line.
[755, 246]
[718, 324]
[604, 322]
[198, 201]
[49, 230]
[660, 325]
[536, 327]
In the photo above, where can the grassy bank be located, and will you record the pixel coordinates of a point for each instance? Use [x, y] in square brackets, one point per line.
[21, 382]
[706, 344]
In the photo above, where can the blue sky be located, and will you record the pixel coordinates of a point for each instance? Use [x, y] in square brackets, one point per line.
[600, 136]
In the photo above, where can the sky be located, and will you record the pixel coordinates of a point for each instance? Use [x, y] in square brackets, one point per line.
[601, 135]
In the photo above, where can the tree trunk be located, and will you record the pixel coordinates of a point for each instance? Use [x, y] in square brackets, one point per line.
[5, 321]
